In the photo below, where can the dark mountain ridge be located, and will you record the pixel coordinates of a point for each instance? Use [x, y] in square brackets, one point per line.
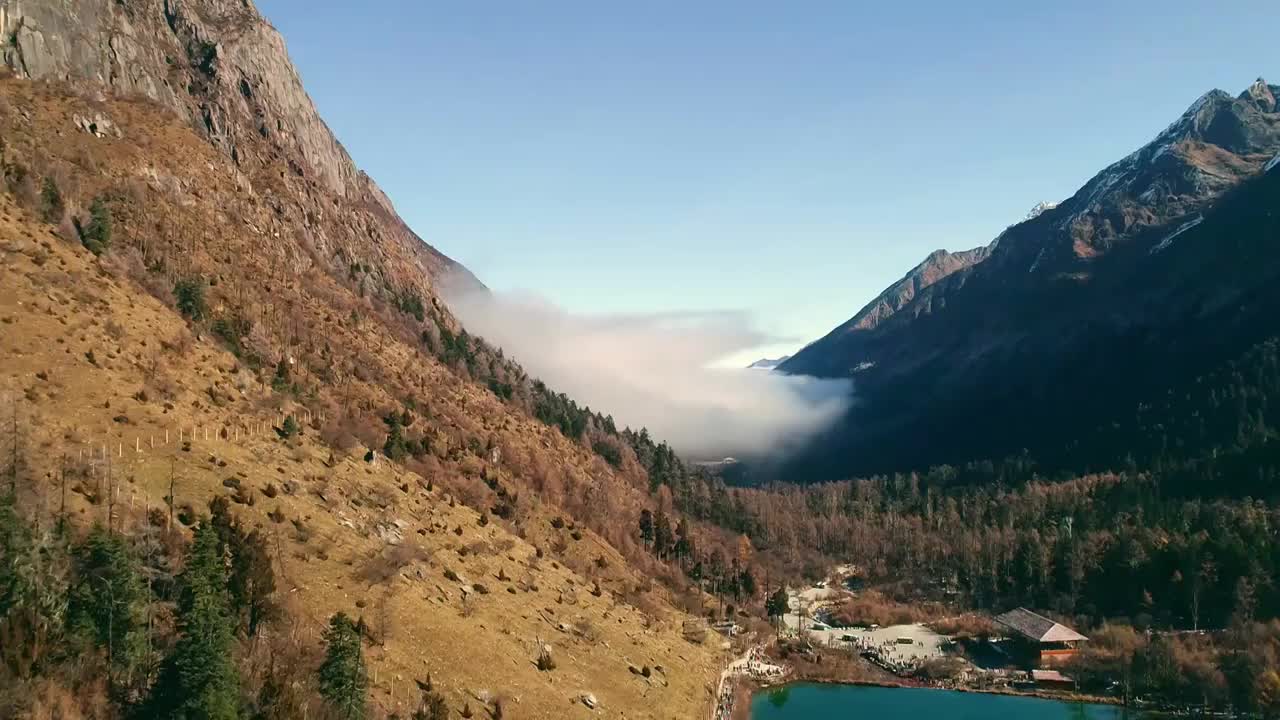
[1156, 269]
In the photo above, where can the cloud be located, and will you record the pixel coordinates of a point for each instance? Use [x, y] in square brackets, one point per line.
[656, 371]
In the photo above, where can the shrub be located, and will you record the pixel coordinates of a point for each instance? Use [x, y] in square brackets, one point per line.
[433, 707]
[608, 451]
[545, 662]
[190, 296]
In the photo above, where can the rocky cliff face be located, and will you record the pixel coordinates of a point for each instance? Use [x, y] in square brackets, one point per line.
[1070, 311]
[217, 63]
[222, 67]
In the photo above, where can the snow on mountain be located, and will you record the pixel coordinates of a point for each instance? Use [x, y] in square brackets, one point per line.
[1168, 240]
[1039, 208]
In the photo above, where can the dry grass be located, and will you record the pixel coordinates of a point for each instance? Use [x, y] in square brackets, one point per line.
[346, 532]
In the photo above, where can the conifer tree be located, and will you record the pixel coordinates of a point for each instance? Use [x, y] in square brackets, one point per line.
[32, 593]
[251, 578]
[199, 680]
[662, 538]
[97, 233]
[281, 381]
[52, 206]
[107, 601]
[776, 607]
[646, 526]
[343, 680]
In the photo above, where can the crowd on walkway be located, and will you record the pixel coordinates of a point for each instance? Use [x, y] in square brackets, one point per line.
[755, 664]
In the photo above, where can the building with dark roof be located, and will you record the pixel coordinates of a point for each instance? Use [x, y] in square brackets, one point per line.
[1043, 639]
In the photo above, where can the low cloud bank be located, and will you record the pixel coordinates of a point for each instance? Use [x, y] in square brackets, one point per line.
[655, 371]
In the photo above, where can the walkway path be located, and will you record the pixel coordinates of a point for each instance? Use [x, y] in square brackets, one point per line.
[753, 663]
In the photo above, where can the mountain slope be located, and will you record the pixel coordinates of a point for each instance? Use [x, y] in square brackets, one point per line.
[825, 357]
[249, 273]
[221, 67]
[1052, 329]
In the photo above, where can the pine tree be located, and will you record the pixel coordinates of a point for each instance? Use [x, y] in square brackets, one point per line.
[343, 681]
[32, 593]
[15, 545]
[394, 447]
[662, 535]
[776, 607]
[189, 294]
[107, 601]
[97, 233]
[52, 206]
[281, 382]
[746, 583]
[251, 578]
[684, 543]
[199, 680]
[646, 526]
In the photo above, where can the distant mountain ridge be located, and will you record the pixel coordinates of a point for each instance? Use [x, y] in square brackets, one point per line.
[768, 363]
[938, 265]
[1087, 275]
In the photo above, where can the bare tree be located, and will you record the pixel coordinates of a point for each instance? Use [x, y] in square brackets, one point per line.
[15, 448]
[172, 483]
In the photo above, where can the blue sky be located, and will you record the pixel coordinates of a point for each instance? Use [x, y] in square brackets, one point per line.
[786, 159]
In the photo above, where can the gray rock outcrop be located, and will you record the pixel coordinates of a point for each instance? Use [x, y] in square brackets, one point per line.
[217, 63]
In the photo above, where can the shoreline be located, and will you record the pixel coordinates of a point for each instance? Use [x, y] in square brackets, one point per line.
[1040, 695]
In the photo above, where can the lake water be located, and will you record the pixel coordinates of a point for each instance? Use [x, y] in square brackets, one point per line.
[811, 702]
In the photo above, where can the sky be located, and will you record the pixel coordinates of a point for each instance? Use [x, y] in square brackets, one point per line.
[783, 161]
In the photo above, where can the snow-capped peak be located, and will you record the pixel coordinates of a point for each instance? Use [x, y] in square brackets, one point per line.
[1039, 208]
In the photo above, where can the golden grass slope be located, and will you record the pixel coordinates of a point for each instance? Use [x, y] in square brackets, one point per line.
[100, 371]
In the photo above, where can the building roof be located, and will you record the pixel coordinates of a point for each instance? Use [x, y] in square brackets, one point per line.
[1037, 628]
[1052, 676]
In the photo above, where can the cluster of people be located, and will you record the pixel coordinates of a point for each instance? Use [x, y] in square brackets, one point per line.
[758, 665]
[754, 663]
[724, 704]
[890, 655]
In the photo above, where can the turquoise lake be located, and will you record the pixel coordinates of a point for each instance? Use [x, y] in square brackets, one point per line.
[810, 702]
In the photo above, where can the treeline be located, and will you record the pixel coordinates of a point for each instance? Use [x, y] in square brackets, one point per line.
[1215, 437]
[1180, 532]
[1132, 540]
[1235, 671]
